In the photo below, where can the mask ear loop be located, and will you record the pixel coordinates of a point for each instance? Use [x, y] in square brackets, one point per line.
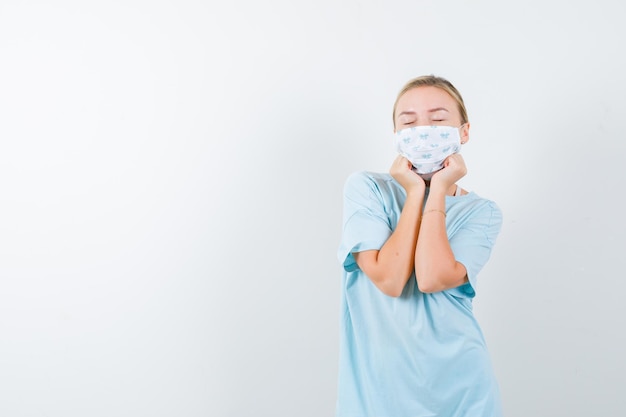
[462, 143]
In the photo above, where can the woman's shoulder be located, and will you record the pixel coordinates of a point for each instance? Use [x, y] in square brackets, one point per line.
[370, 180]
[481, 207]
[483, 201]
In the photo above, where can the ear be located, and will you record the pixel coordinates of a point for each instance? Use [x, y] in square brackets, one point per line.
[465, 133]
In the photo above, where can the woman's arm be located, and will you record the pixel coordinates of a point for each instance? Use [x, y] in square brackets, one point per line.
[436, 268]
[391, 267]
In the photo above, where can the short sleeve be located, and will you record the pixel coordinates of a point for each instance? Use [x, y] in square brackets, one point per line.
[472, 244]
[366, 226]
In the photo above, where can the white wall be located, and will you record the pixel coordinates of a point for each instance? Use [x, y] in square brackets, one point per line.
[170, 196]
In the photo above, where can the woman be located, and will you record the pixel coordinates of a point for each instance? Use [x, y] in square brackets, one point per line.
[412, 246]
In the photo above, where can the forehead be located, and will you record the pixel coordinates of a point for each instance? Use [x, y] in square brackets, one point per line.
[426, 98]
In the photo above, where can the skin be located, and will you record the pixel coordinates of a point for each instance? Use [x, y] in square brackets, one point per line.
[419, 244]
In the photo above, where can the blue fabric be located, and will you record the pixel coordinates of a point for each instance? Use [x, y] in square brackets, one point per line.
[419, 354]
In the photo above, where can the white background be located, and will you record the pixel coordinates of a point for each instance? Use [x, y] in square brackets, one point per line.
[170, 196]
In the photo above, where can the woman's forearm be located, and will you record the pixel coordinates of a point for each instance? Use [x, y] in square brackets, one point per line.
[391, 267]
[436, 268]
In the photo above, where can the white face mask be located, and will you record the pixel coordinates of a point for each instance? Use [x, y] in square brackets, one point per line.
[426, 147]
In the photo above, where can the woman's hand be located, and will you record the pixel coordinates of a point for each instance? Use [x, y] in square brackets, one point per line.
[401, 171]
[453, 170]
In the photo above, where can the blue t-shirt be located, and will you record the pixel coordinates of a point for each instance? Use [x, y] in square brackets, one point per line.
[419, 354]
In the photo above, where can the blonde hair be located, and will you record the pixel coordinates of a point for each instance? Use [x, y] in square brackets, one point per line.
[433, 81]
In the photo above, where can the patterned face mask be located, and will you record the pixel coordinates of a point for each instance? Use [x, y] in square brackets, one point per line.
[426, 147]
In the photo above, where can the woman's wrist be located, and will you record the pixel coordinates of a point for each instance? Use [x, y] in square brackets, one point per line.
[437, 191]
[417, 191]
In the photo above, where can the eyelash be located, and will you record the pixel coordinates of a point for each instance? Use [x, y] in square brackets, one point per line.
[432, 120]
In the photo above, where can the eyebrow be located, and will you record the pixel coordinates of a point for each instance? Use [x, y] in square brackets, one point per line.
[429, 111]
